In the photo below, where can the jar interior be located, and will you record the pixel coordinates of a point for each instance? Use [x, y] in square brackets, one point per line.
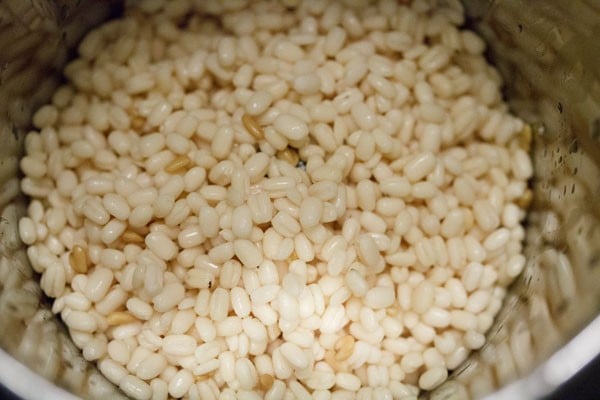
[548, 57]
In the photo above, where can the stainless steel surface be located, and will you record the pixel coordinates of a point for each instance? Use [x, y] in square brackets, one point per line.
[558, 369]
[549, 56]
[29, 385]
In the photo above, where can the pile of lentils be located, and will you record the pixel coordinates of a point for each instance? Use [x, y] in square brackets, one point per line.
[277, 199]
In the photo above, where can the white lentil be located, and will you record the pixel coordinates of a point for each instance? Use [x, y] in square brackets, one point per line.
[485, 216]
[380, 297]
[161, 245]
[180, 383]
[170, 295]
[179, 345]
[151, 367]
[116, 205]
[219, 304]
[419, 166]
[307, 84]
[356, 283]
[245, 373]
[112, 231]
[497, 239]
[112, 370]
[139, 308]
[222, 142]
[113, 299]
[95, 212]
[290, 127]
[27, 231]
[205, 329]
[81, 321]
[265, 294]
[432, 378]
[334, 41]
[98, 284]
[247, 252]
[294, 355]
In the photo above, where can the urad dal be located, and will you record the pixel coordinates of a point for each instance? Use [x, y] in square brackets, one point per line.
[273, 200]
